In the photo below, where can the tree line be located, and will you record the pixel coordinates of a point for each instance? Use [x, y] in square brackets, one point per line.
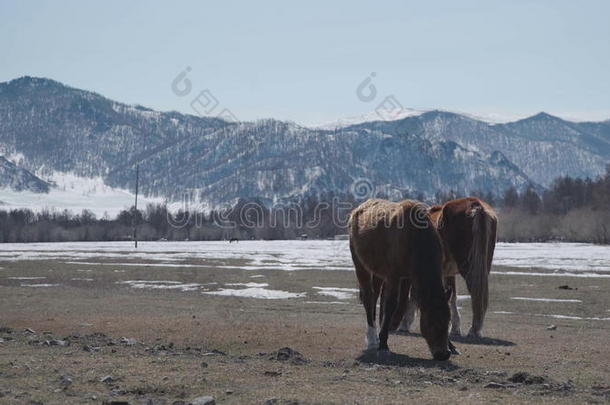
[311, 217]
[571, 209]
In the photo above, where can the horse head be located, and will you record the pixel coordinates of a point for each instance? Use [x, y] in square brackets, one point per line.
[434, 325]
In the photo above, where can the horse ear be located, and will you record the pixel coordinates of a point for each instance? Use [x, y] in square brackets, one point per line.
[448, 292]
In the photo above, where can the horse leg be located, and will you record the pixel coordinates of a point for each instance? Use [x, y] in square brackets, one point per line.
[479, 296]
[403, 302]
[409, 317]
[368, 297]
[391, 289]
[369, 302]
[377, 290]
[450, 282]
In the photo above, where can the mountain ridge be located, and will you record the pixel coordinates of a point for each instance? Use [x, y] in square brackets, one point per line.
[57, 128]
[413, 111]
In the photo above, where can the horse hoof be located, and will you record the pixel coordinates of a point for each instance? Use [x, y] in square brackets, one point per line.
[474, 335]
[383, 354]
[456, 333]
[454, 350]
[442, 356]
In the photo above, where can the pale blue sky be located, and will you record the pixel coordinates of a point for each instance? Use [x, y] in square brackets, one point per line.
[303, 60]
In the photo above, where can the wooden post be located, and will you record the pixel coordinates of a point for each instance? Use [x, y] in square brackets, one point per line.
[135, 219]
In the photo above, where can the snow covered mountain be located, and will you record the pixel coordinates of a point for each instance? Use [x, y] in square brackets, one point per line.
[395, 114]
[74, 193]
[543, 146]
[20, 179]
[57, 129]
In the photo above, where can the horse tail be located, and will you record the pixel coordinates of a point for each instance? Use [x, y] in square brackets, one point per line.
[480, 257]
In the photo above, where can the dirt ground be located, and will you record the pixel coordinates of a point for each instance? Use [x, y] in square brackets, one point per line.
[97, 341]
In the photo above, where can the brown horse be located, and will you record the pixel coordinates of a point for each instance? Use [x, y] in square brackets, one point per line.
[467, 227]
[394, 244]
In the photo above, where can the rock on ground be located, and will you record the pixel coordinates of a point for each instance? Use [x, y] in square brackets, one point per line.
[203, 401]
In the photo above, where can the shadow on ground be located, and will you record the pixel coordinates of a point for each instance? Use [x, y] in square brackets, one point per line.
[485, 341]
[373, 356]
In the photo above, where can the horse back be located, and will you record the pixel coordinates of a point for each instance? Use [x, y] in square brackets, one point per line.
[468, 228]
[391, 239]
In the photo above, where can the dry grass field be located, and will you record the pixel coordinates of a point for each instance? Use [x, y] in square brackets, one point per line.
[85, 336]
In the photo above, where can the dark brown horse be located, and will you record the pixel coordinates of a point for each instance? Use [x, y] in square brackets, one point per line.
[467, 227]
[394, 244]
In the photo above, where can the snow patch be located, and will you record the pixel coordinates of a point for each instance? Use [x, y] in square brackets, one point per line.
[337, 292]
[161, 285]
[544, 299]
[40, 285]
[560, 259]
[135, 264]
[327, 302]
[256, 292]
[555, 256]
[556, 316]
[25, 278]
[251, 285]
[530, 273]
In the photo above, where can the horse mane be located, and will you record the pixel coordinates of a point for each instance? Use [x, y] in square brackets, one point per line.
[427, 265]
[436, 215]
[435, 208]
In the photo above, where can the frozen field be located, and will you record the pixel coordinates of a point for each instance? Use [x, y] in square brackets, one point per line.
[262, 263]
[536, 259]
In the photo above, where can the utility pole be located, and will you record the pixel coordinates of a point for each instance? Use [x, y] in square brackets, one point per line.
[135, 218]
